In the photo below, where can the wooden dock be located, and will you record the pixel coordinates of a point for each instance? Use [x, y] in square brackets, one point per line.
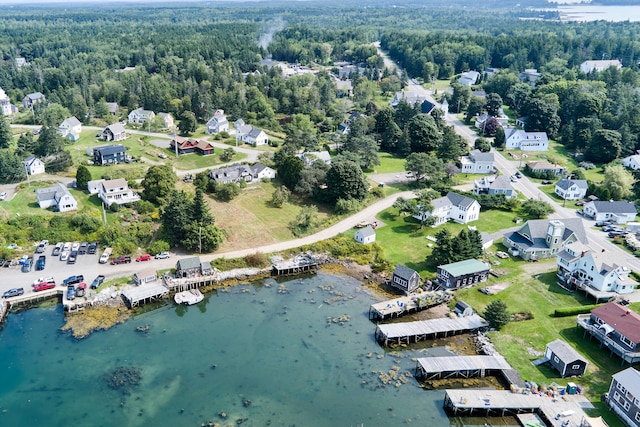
[297, 265]
[408, 304]
[405, 333]
[145, 293]
[555, 412]
[430, 368]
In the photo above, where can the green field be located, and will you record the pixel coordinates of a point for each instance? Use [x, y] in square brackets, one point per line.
[389, 163]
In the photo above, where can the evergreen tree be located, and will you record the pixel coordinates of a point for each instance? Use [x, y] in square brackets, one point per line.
[82, 177]
[200, 213]
[6, 136]
[496, 314]
[443, 251]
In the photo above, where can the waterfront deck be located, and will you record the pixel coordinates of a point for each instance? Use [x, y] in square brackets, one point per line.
[297, 265]
[143, 293]
[594, 331]
[408, 304]
[568, 409]
[430, 368]
[407, 332]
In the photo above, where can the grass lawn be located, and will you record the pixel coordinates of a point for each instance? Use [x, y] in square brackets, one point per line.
[389, 163]
[559, 154]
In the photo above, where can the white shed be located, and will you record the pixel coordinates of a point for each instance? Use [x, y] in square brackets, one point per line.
[365, 235]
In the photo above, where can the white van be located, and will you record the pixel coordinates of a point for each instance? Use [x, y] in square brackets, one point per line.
[104, 258]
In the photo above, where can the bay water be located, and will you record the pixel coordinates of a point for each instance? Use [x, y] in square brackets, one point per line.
[299, 352]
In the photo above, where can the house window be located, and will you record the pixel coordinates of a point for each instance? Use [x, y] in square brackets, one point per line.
[626, 340]
[575, 367]
[556, 359]
[621, 388]
[637, 417]
[626, 405]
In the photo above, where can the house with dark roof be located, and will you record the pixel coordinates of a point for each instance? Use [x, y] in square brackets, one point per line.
[56, 197]
[70, 128]
[189, 267]
[494, 185]
[191, 145]
[542, 238]
[218, 123]
[405, 279]
[616, 211]
[247, 173]
[33, 165]
[109, 155]
[564, 359]
[114, 108]
[462, 309]
[617, 328]
[571, 189]
[623, 394]
[32, 99]
[477, 162]
[453, 206]
[114, 132]
[365, 235]
[410, 97]
[530, 76]
[462, 274]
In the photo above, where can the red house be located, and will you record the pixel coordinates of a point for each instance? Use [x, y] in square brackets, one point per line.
[190, 145]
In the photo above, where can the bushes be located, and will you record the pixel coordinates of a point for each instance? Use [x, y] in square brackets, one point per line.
[573, 311]
[257, 259]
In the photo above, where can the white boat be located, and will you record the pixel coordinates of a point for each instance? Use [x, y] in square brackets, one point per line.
[190, 297]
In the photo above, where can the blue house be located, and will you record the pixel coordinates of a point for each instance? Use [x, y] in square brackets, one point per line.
[109, 155]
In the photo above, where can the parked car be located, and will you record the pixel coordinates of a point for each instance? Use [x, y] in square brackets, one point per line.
[27, 265]
[66, 246]
[72, 280]
[83, 248]
[3, 195]
[580, 203]
[163, 255]
[145, 257]
[13, 292]
[44, 279]
[97, 281]
[42, 246]
[57, 248]
[105, 256]
[75, 246]
[603, 223]
[42, 261]
[93, 247]
[43, 286]
[610, 227]
[518, 174]
[81, 289]
[121, 260]
[613, 234]
[580, 212]
[547, 182]
[71, 292]
[64, 256]
[513, 178]
[73, 256]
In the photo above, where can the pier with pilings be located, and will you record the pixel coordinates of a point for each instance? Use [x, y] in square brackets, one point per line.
[413, 332]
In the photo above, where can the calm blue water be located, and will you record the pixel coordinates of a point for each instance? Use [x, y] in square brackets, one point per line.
[255, 343]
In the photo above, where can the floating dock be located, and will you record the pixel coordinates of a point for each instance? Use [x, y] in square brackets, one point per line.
[407, 332]
[145, 293]
[408, 304]
[430, 368]
[555, 412]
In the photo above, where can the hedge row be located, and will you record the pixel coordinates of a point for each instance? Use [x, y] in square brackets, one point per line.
[573, 311]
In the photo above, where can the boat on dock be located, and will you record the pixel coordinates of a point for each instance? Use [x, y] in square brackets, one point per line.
[190, 297]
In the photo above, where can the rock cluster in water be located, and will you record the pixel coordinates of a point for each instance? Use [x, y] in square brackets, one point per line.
[124, 378]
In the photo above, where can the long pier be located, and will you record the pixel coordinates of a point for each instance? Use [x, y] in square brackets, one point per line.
[430, 368]
[555, 412]
[407, 304]
[405, 333]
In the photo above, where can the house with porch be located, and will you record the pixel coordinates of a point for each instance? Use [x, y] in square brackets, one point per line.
[617, 211]
[70, 128]
[616, 327]
[494, 185]
[191, 145]
[218, 123]
[542, 238]
[543, 166]
[56, 197]
[571, 189]
[477, 162]
[32, 99]
[114, 132]
[365, 235]
[405, 279]
[454, 206]
[462, 274]
[117, 191]
[33, 165]
[109, 154]
[565, 359]
[525, 141]
[140, 116]
[623, 394]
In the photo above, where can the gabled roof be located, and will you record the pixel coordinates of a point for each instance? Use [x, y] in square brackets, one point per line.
[55, 192]
[188, 263]
[367, 231]
[622, 319]
[566, 183]
[256, 168]
[116, 128]
[71, 122]
[404, 272]
[564, 351]
[630, 379]
[468, 266]
[110, 149]
[534, 232]
[35, 96]
[254, 133]
[114, 183]
[501, 181]
[479, 156]
[460, 200]
[614, 207]
[30, 160]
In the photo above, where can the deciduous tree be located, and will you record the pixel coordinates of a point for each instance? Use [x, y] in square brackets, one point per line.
[158, 183]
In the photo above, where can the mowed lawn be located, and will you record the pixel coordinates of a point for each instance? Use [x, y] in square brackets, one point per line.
[389, 163]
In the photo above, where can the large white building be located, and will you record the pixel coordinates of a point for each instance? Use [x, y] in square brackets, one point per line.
[454, 206]
[526, 141]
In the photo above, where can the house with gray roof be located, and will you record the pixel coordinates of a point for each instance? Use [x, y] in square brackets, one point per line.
[542, 238]
[56, 197]
[33, 165]
[622, 396]
[410, 97]
[616, 211]
[477, 162]
[565, 359]
[572, 189]
[114, 132]
[117, 191]
[462, 274]
[189, 267]
[453, 206]
[494, 185]
[365, 235]
[526, 141]
[218, 123]
[140, 116]
[530, 76]
[247, 173]
[70, 128]
[632, 162]
[114, 108]
[109, 154]
[469, 78]
[32, 99]
[405, 279]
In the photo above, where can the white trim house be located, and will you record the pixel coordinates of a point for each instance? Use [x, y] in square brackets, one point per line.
[365, 235]
[632, 162]
[477, 162]
[571, 189]
[218, 123]
[454, 206]
[526, 141]
[70, 128]
[140, 116]
[33, 165]
[618, 212]
[116, 191]
[57, 197]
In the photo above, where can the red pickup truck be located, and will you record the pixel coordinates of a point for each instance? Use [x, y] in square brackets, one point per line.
[43, 286]
[121, 260]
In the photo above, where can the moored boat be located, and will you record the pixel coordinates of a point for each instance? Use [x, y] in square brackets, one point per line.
[190, 297]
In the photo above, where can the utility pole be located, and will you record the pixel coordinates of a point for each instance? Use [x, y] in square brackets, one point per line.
[200, 239]
[26, 170]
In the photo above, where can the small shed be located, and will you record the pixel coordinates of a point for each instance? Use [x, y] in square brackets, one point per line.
[188, 267]
[145, 276]
[405, 279]
[365, 235]
[565, 359]
[206, 268]
[462, 309]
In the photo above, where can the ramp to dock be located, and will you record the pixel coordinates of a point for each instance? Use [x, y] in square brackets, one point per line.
[407, 332]
[408, 304]
[460, 366]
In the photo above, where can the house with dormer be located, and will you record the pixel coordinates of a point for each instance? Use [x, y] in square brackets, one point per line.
[116, 191]
[247, 173]
[218, 123]
[571, 189]
[477, 162]
[32, 99]
[453, 206]
[494, 185]
[70, 129]
[191, 145]
[140, 116]
[525, 141]
[56, 197]
[632, 162]
[33, 165]
[541, 238]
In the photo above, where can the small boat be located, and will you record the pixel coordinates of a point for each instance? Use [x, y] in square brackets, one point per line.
[190, 297]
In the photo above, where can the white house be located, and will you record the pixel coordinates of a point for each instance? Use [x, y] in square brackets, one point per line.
[33, 165]
[236, 173]
[262, 172]
[5, 103]
[469, 78]
[589, 66]
[309, 157]
[571, 189]
[93, 187]
[579, 268]
[70, 128]
[632, 162]
[139, 116]
[365, 235]
[116, 191]
[618, 212]
[57, 197]
[218, 123]
[167, 120]
[494, 185]
[410, 97]
[252, 136]
[477, 162]
[454, 206]
[526, 141]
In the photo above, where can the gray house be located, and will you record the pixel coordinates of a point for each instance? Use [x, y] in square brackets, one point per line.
[563, 358]
[110, 154]
[616, 211]
[541, 238]
[189, 267]
[462, 274]
[365, 235]
[494, 185]
[405, 279]
[622, 396]
[571, 189]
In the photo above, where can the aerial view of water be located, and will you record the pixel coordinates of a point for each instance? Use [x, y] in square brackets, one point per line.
[299, 352]
[589, 12]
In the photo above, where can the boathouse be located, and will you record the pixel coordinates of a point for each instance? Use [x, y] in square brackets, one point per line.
[565, 359]
[462, 274]
[145, 276]
[443, 367]
[365, 235]
[297, 265]
[405, 279]
[188, 267]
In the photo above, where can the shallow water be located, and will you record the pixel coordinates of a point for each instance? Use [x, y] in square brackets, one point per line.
[256, 343]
